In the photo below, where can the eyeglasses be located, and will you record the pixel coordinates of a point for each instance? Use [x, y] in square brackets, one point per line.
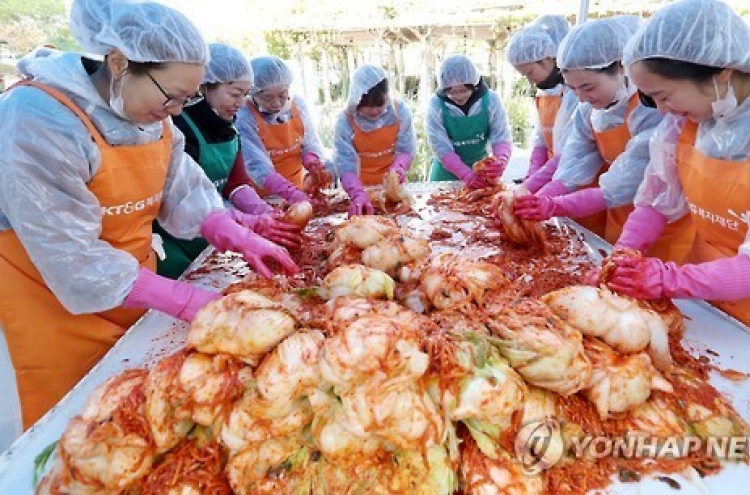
[458, 91]
[171, 101]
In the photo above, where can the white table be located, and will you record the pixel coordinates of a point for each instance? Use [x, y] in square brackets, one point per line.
[157, 335]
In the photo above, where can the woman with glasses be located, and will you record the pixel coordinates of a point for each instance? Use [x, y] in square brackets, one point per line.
[465, 120]
[700, 156]
[604, 157]
[374, 135]
[90, 159]
[533, 53]
[277, 132]
[212, 141]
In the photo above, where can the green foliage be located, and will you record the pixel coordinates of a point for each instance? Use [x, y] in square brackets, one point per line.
[389, 12]
[522, 87]
[41, 460]
[278, 44]
[25, 25]
[411, 87]
[63, 40]
[41, 10]
[519, 109]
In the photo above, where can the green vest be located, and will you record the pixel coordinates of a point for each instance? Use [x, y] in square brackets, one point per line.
[469, 136]
[216, 160]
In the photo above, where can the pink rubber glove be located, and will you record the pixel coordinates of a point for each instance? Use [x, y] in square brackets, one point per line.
[175, 298]
[223, 232]
[453, 164]
[401, 166]
[312, 162]
[245, 199]
[643, 227]
[493, 169]
[501, 152]
[360, 202]
[531, 207]
[277, 184]
[726, 279]
[537, 160]
[582, 203]
[270, 226]
[592, 277]
[543, 176]
[553, 188]
[578, 204]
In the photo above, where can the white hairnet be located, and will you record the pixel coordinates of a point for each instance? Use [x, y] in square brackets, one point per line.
[704, 32]
[629, 22]
[228, 64]
[270, 71]
[530, 45]
[143, 31]
[363, 80]
[456, 70]
[39, 52]
[592, 45]
[555, 25]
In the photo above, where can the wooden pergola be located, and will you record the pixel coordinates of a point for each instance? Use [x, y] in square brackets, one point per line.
[485, 22]
[428, 36]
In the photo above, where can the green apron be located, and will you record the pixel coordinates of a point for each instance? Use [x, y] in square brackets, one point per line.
[469, 136]
[216, 160]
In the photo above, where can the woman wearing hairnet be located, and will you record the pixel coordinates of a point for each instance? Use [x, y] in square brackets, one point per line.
[630, 22]
[605, 155]
[556, 26]
[90, 159]
[532, 52]
[212, 141]
[700, 156]
[373, 135]
[463, 118]
[277, 132]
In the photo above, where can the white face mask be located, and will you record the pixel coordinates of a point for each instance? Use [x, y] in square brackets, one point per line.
[622, 94]
[724, 106]
[116, 102]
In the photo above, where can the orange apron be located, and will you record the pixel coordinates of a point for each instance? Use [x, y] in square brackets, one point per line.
[283, 143]
[51, 348]
[610, 143]
[547, 107]
[675, 241]
[718, 193]
[376, 150]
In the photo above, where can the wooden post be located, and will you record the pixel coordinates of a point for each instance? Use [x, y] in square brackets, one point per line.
[393, 65]
[351, 65]
[326, 79]
[303, 76]
[427, 72]
[492, 64]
